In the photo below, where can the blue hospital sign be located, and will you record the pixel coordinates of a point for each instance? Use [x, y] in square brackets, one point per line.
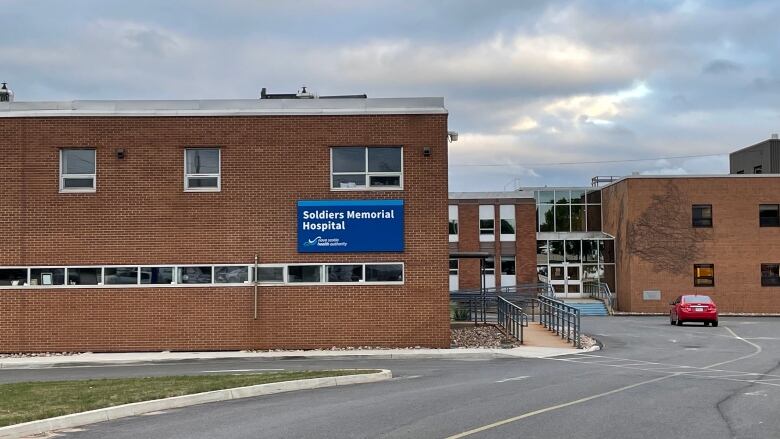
[334, 226]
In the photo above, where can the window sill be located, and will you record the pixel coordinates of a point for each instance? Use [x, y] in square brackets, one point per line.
[373, 189]
[78, 191]
[203, 190]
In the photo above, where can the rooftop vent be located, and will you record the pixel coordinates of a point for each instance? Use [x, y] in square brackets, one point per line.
[774, 136]
[6, 95]
[304, 93]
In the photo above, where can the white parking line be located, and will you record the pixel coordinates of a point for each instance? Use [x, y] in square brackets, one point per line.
[512, 379]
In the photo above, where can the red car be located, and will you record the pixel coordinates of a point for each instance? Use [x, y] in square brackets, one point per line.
[693, 308]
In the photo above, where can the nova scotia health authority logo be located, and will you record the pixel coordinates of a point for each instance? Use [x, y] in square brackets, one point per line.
[324, 242]
[311, 242]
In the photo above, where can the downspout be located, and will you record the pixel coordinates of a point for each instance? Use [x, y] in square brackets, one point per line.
[255, 282]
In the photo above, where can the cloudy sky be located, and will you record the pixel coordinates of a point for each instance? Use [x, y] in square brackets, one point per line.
[538, 90]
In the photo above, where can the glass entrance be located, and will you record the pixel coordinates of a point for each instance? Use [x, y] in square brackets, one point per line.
[566, 280]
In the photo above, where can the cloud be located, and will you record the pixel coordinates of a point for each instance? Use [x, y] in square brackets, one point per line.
[721, 66]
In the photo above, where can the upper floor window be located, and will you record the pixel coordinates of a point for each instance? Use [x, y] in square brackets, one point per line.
[507, 216]
[487, 223]
[703, 275]
[453, 223]
[770, 275]
[769, 215]
[702, 215]
[366, 167]
[757, 169]
[202, 169]
[77, 170]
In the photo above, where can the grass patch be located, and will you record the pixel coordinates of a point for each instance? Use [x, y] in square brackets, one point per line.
[29, 401]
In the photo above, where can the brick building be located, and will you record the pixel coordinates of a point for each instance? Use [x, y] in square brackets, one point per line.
[151, 225]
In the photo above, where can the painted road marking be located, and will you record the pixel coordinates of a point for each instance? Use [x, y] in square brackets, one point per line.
[512, 379]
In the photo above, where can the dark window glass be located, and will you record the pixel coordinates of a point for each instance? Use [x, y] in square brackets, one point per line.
[769, 215]
[757, 169]
[384, 273]
[590, 251]
[542, 273]
[556, 252]
[202, 161]
[546, 220]
[349, 159]
[507, 227]
[384, 159]
[577, 218]
[78, 161]
[304, 273]
[703, 275]
[349, 181]
[594, 197]
[572, 251]
[194, 275]
[78, 183]
[47, 276]
[541, 253]
[607, 251]
[741, 172]
[453, 227]
[594, 217]
[270, 274]
[202, 182]
[345, 273]
[381, 180]
[702, 215]
[561, 197]
[490, 265]
[487, 227]
[84, 276]
[577, 197]
[13, 276]
[770, 275]
[156, 275]
[562, 218]
[121, 275]
[508, 265]
[591, 272]
[231, 275]
[453, 266]
[545, 197]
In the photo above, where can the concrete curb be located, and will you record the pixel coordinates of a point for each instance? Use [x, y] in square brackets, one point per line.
[86, 360]
[137, 408]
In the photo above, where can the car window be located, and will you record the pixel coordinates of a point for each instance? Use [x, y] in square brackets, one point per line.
[698, 299]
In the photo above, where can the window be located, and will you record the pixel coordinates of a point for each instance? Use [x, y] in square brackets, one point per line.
[157, 275]
[85, 276]
[384, 273]
[453, 267]
[270, 274]
[453, 223]
[345, 273]
[77, 170]
[13, 276]
[364, 167]
[487, 223]
[121, 275]
[195, 275]
[757, 169]
[702, 215]
[490, 265]
[47, 276]
[703, 275]
[508, 265]
[770, 275]
[202, 169]
[304, 273]
[742, 171]
[233, 274]
[769, 215]
[507, 215]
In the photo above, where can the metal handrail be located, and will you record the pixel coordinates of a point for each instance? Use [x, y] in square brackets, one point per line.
[479, 302]
[561, 319]
[600, 291]
[511, 318]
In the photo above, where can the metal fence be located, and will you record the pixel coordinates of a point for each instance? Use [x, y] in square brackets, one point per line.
[480, 305]
[561, 319]
[511, 318]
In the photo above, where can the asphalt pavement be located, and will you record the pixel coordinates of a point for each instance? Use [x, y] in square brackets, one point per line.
[651, 380]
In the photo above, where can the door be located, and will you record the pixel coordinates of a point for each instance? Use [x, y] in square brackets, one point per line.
[566, 280]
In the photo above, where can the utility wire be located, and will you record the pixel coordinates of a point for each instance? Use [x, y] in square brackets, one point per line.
[595, 162]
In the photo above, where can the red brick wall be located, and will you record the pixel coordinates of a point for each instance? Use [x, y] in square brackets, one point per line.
[736, 245]
[468, 241]
[525, 235]
[141, 215]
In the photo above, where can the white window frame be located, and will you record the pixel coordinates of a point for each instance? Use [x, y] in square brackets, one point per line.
[367, 174]
[507, 212]
[64, 176]
[484, 210]
[218, 175]
[453, 216]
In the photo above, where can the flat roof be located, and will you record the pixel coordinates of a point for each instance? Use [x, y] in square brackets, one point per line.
[226, 107]
[490, 195]
[629, 177]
